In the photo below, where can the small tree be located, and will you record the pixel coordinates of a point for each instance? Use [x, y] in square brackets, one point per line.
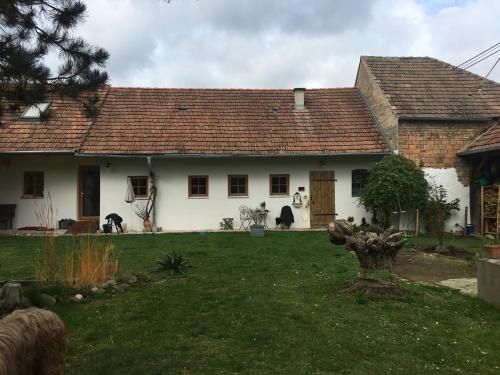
[438, 210]
[395, 183]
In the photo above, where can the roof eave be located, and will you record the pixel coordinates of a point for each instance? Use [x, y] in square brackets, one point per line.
[446, 119]
[193, 155]
[479, 151]
[40, 152]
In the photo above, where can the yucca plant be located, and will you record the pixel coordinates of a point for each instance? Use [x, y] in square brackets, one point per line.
[172, 262]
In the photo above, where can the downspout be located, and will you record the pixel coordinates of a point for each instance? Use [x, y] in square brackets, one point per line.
[154, 190]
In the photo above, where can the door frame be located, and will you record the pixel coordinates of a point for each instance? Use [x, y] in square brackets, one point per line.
[79, 198]
[311, 197]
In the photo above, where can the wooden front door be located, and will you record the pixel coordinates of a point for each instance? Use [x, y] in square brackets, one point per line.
[322, 197]
[89, 192]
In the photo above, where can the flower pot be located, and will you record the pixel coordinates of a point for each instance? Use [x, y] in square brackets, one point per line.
[493, 251]
[257, 230]
[147, 224]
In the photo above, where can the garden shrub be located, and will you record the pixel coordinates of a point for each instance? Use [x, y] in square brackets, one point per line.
[395, 183]
[438, 210]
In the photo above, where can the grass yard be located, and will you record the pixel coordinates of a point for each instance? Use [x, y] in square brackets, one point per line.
[264, 305]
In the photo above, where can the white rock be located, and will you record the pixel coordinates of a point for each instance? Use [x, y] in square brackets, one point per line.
[94, 289]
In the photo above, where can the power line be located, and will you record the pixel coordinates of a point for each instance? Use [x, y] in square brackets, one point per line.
[478, 61]
[493, 67]
[478, 55]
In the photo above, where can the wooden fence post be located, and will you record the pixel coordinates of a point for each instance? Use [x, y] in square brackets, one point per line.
[465, 221]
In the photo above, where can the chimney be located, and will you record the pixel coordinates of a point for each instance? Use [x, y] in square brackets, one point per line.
[299, 97]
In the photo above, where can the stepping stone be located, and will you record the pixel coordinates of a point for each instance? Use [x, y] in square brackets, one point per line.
[466, 285]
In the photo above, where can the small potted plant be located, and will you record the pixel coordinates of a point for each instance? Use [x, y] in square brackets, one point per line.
[257, 228]
[145, 215]
[493, 250]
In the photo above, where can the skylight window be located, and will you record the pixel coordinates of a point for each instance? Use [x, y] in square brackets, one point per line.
[36, 110]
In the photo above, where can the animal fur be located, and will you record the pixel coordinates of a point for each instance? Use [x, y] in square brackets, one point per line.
[32, 341]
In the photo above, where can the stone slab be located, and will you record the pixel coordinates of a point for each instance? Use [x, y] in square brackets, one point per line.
[488, 280]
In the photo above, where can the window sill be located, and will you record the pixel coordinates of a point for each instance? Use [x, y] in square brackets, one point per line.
[279, 195]
[199, 197]
[237, 196]
[31, 197]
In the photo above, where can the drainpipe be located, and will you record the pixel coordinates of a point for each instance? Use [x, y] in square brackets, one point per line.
[153, 182]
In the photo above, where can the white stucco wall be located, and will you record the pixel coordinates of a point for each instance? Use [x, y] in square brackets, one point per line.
[449, 179]
[60, 176]
[175, 210]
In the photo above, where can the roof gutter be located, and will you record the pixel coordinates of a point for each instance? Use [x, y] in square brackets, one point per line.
[176, 155]
[44, 152]
[446, 119]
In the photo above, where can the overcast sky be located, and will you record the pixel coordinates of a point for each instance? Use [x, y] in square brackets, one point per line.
[281, 43]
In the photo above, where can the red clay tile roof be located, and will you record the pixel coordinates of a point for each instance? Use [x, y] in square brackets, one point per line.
[488, 141]
[424, 87]
[62, 131]
[232, 122]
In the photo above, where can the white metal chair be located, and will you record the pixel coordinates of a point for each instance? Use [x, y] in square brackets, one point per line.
[245, 217]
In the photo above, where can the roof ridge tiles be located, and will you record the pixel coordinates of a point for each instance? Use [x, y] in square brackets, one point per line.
[193, 89]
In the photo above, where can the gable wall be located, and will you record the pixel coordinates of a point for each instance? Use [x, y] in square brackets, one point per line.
[378, 104]
[435, 144]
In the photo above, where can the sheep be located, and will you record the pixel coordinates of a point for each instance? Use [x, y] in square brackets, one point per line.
[32, 341]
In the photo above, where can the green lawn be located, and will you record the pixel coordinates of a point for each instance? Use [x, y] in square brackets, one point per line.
[265, 305]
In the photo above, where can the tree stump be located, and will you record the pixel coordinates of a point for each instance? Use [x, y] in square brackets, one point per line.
[338, 231]
[11, 296]
[376, 251]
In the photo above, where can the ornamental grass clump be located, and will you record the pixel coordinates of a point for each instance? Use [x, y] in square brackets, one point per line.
[89, 263]
[46, 266]
[84, 264]
[173, 263]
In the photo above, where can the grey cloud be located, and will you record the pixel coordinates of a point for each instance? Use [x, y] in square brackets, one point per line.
[290, 16]
[266, 43]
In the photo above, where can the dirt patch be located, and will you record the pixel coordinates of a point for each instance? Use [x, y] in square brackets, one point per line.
[449, 250]
[422, 267]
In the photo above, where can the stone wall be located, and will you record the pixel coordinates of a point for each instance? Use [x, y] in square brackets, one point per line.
[378, 104]
[435, 144]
